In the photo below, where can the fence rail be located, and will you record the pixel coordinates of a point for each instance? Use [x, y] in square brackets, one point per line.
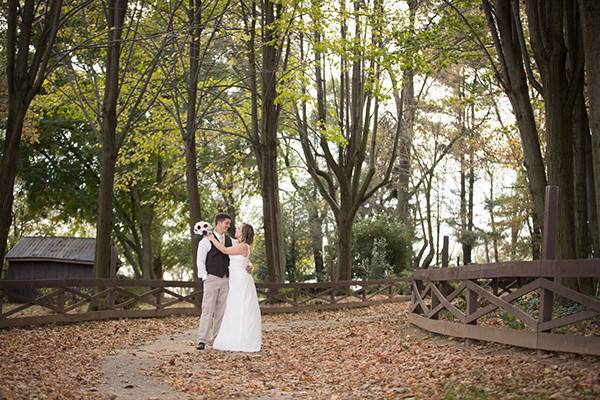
[538, 298]
[35, 302]
[467, 295]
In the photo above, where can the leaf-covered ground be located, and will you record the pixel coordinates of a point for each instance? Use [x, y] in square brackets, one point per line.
[362, 353]
[64, 361]
[374, 353]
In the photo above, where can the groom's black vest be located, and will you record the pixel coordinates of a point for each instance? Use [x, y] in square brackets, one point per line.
[217, 263]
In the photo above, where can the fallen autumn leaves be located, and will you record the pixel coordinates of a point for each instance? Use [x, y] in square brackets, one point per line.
[64, 361]
[361, 353]
[374, 353]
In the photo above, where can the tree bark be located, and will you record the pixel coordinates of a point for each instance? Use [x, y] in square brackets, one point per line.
[316, 241]
[145, 217]
[492, 206]
[549, 48]
[592, 207]
[8, 169]
[404, 152]
[269, 177]
[429, 257]
[466, 250]
[580, 131]
[115, 16]
[505, 25]
[590, 13]
[191, 169]
[344, 223]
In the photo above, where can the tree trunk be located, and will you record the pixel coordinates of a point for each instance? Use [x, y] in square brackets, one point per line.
[316, 241]
[466, 247]
[145, 217]
[8, 168]
[549, 48]
[269, 179]
[429, 257]
[272, 221]
[115, 19]
[409, 110]
[191, 169]
[404, 153]
[492, 205]
[591, 199]
[344, 248]
[26, 68]
[590, 12]
[580, 132]
[504, 23]
[470, 204]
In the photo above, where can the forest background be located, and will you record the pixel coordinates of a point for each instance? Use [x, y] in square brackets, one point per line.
[353, 135]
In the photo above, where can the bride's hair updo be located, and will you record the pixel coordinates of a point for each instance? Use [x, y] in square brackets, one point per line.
[247, 233]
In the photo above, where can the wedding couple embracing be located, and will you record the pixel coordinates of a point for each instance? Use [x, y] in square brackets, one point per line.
[230, 318]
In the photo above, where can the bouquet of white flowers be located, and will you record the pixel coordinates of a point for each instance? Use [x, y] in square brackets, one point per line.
[202, 228]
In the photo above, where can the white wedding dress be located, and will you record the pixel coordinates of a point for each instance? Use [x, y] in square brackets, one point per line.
[241, 326]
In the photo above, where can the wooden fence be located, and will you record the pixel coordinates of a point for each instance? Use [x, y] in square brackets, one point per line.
[465, 296]
[36, 302]
[536, 301]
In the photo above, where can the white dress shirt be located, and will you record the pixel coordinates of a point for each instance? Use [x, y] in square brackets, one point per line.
[203, 249]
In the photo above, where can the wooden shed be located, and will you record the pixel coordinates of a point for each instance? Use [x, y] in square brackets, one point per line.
[53, 258]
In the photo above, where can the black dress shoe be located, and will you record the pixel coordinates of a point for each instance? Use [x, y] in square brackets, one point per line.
[200, 346]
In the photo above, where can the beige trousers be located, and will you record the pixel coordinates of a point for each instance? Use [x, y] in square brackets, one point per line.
[214, 299]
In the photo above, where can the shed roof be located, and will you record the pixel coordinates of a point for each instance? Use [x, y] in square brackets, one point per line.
[77, 250]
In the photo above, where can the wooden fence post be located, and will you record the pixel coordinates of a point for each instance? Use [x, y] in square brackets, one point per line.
[471, 303]
[445, 252]
[445, 262]
[60, 300]
[548, 249]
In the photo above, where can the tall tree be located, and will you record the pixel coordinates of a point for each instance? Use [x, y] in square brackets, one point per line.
[344, 166]
[204, 85]
[115, 18]
[590, 12]
[125, 70]
[32, 30]
[189, 135]
[504, 23]
[274, 22]
[409, 110]
[546, 22]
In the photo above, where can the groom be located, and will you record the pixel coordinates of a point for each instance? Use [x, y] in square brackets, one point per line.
[213, 269]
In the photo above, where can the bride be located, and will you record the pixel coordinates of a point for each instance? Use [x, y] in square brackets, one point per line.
[241, 326]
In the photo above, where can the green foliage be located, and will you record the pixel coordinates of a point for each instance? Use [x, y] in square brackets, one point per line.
[376, 266]
[512, 321]
[60, 170]
[381, 248]
[467, 391]
[529, 303]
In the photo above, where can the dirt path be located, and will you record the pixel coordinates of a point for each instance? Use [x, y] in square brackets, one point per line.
[125, 374]
[369, 353]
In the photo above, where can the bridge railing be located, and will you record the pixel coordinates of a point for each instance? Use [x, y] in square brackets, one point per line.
[35, 302]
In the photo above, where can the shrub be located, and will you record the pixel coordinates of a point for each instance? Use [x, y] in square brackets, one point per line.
[381, 248]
